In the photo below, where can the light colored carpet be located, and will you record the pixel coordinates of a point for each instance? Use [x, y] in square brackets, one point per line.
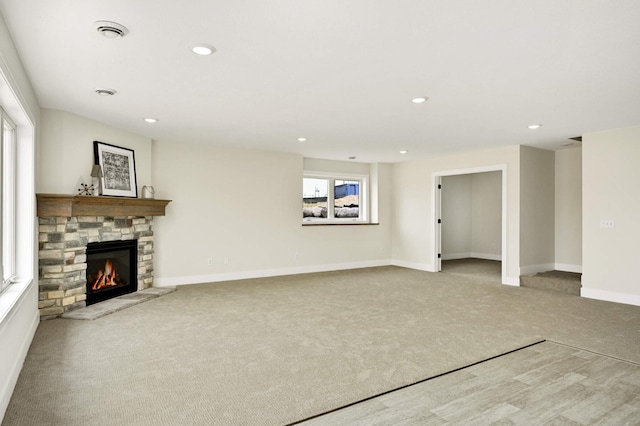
[476, 269]
[278, 350]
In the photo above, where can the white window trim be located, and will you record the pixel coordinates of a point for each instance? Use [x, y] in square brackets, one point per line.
[25, 212]
[363, 205]
[8, 158]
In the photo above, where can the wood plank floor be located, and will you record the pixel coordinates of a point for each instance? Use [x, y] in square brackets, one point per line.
[547, 383]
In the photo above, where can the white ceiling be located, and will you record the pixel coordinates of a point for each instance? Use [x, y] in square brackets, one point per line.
[340, 73]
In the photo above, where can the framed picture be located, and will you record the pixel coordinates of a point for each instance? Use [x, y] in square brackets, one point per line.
[118, 169]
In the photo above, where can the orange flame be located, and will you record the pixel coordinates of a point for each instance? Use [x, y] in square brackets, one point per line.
[106, 278]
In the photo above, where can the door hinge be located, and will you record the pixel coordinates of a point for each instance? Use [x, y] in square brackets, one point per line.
[439, 255]
[439, 220]
[439, 186]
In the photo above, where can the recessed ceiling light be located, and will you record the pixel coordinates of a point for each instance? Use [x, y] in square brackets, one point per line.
[404, 151]
[151, 120]
[535, 126]
[105, 92]
[111, 29]
[419, 100]
[302, 139]
[203, 49]
[352, 158]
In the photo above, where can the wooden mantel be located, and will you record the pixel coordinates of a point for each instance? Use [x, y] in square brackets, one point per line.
[57, 205]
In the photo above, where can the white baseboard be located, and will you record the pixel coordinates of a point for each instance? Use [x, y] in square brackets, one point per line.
[265, 273]
[455, 256]
[413, 265]
[486, 256]
[534, 269]
[610, 296]
[568, 268]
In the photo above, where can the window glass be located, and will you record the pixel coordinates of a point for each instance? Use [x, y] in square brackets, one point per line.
[314, 197]
[346, 198]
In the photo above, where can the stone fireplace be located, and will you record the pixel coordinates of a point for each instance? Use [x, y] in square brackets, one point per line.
[67, 224]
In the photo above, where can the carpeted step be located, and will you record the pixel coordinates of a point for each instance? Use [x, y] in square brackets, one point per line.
[560, 281]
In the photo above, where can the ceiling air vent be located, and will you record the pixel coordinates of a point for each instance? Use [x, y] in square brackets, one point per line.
[111, 29]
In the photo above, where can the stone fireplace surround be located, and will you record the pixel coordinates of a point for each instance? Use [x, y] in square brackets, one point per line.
[67, 223]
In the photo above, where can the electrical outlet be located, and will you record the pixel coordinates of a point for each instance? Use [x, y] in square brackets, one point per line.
[226, 260]
[210, 261]
[606, 223]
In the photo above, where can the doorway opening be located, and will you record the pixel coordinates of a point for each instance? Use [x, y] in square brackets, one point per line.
[470, 220]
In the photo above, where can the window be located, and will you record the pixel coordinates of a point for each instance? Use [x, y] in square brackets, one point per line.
[8, 201]
[334, 198]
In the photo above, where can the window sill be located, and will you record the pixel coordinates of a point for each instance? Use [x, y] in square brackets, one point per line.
[338, 223]
[10, 296]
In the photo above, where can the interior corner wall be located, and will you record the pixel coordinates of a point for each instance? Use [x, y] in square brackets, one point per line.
[413, 197]
[486, 220]
[610, 177]
[66, 151]
[537, 210]
[456, 214]
[568, 210]
[238, 214]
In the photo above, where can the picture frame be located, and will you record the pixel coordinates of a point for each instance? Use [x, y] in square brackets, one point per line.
[118, 169]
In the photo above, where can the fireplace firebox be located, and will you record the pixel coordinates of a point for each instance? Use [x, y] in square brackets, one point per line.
[112, 269]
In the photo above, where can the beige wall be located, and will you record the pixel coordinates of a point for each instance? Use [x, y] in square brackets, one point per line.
[413, 205]
[568, 210]
[242, 210]
[537, 235]
[456, 214]
[486, 222]
[610, 176]
[66, 151]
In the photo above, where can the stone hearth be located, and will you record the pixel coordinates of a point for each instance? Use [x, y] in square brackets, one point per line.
[62, 260]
